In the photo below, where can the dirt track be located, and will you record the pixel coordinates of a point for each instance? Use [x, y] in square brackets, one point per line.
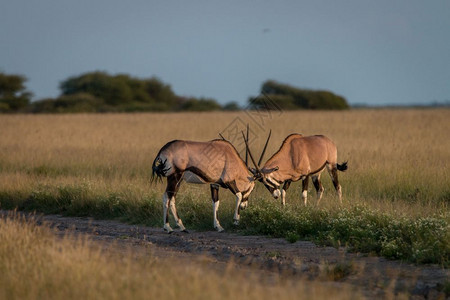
[371, 275]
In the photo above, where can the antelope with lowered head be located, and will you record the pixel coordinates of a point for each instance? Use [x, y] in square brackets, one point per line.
[300, 157]
[215, 162]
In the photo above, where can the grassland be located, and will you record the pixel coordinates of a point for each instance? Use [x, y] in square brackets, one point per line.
[35, 264]
[396, 191]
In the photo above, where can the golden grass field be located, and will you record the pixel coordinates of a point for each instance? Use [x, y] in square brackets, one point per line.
[398, 158]
[399, 164]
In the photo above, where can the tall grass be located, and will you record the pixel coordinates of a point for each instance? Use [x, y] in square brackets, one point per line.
[99, 165]
[35, 264]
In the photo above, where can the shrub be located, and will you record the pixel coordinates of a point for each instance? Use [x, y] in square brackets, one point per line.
[287, 97]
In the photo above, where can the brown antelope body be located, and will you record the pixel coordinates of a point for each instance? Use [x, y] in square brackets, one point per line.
[215, 162]
[301, 157]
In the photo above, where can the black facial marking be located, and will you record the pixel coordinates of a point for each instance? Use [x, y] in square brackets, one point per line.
[269, 187]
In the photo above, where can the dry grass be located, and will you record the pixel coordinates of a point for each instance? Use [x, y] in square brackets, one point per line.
[36, 265]
[398, 164]
[393, 154]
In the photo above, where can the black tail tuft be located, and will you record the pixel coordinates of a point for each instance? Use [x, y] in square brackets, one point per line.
[158, 169]
[342, 167]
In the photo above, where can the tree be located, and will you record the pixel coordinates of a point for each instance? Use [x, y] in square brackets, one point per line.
[122, 92]
[75, 103]
[13, 94]
[101, 92]
[288, 97]
[231, 106]
[202, 104]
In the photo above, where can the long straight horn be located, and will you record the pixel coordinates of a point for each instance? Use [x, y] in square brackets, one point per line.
[222, 136]
[246, 150]
[265, 147]
[250, 153]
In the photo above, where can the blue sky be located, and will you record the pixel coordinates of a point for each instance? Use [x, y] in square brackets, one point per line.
[371, 52]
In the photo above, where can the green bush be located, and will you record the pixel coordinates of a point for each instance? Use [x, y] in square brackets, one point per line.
[101, 92]
[81, 102]
[13, 95]
[422, 240]
[288, 97]
[193, 104]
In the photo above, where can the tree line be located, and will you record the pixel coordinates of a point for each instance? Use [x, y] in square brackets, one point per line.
[102, 92]
[285, 97]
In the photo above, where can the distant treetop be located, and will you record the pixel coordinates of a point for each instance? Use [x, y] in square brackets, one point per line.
[13, 94]
[102, 92]
[283, 96]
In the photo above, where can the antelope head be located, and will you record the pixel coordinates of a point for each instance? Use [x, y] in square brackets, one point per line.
[263, 175]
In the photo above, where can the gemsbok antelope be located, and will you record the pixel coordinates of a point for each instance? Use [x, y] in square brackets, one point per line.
[215, 162]
[300, 157]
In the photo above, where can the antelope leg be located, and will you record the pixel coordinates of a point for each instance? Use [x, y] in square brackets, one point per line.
[236, 211]
[166, 213]
[286, 185]
[319, 187]
[334, 177]
[173, 184]
[173, 208]
[216, 203]
[305, 189]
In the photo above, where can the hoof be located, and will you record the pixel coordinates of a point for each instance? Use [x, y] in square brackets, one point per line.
[185, 231]
[219, 229]
[236, 223]
[168, 228]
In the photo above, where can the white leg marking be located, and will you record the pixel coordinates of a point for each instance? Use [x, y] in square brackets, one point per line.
[165, 214]
[305, 196]
[339, 193]
[283, 197]
[236, 211]
[173, 208]
[216, 221]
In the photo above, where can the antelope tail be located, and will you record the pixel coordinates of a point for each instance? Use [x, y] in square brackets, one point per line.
[342, 167]
[159, 169]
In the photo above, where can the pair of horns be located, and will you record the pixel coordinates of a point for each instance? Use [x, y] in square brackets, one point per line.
[257, 166]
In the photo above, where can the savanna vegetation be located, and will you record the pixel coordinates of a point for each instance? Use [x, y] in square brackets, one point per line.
[101, 92]
[396, 190]
[35, 264]
[275, 95]
[13, 93]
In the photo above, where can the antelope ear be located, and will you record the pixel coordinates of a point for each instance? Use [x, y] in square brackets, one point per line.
[253, 171]
[268, 171]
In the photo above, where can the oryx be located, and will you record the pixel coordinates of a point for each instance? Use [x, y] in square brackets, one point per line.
[300, 157]
[215, 162]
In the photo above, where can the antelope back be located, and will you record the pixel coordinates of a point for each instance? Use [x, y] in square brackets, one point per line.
[304, 154]
[213, 161]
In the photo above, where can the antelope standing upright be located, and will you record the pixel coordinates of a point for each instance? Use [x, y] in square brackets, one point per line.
[300, 157]
[215, 162]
